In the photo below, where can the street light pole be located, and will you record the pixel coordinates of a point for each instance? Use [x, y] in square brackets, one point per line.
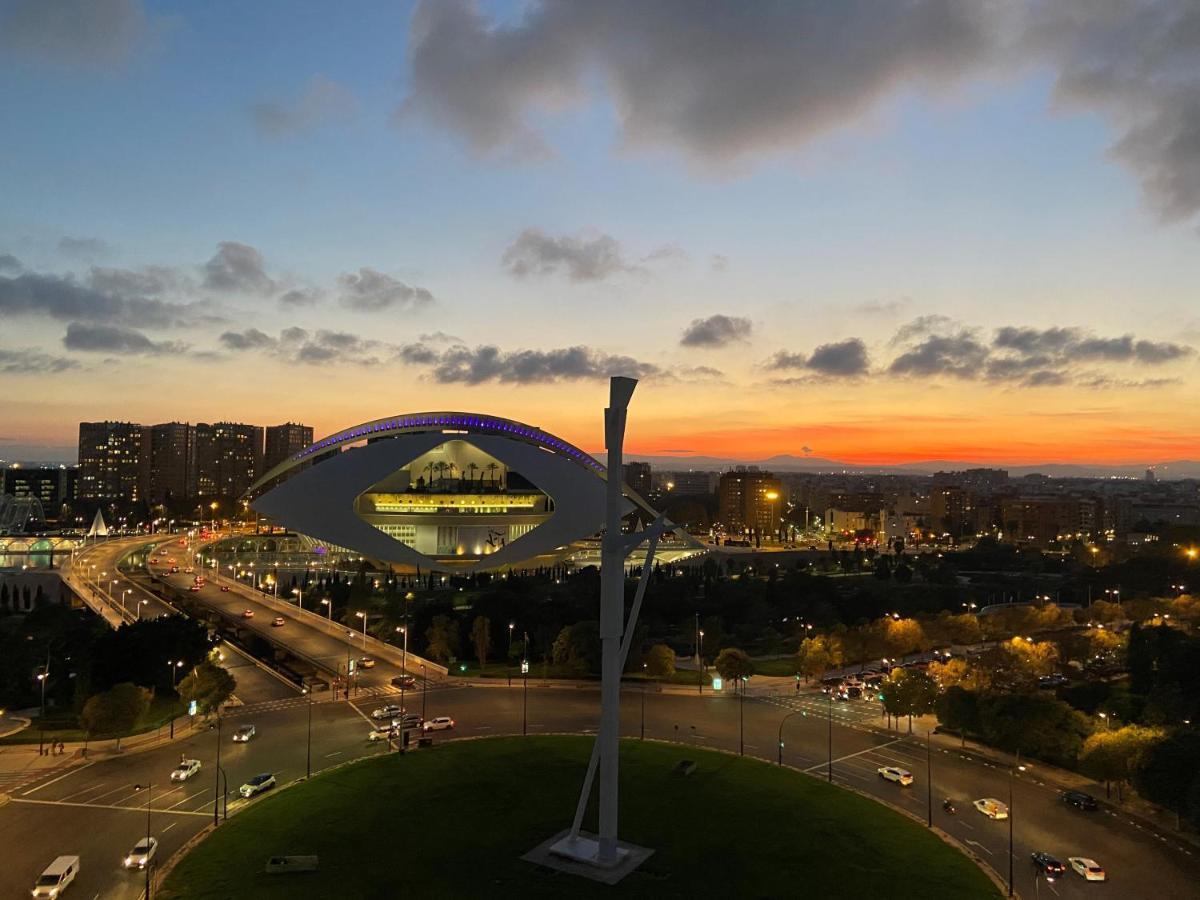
[779, 742]
[700, 655]
[424, 690]
[308, 755]
[929, 779]
[1011, 777]
[525, 688]
[43, 678]
[830, 772]
[217, 771]
[149, 789]
[742, 719]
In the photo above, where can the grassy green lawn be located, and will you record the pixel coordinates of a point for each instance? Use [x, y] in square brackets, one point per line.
[453, 822]
[66, 728]
[785, 666]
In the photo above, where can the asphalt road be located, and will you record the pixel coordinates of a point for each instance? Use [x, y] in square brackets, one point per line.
[44, 820]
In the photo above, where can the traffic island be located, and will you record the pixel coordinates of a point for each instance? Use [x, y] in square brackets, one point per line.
[454, 821]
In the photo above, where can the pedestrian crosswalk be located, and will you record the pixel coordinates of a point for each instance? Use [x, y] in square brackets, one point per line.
[851, 713]
[367, 693]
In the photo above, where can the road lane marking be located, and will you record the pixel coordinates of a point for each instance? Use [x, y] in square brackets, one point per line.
[980, 846]
[852, 755]
[189, 797]
[137, 809]
[333, 754]
[168, 828]
[59, 778]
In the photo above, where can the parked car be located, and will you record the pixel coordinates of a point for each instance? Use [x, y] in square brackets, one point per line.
[404, 681]
[441, 723]
[992, 808]
[56, 876]
[243, 734]
[247, 614]
[902, 777]
[365, 662]
[407, 720]
[1088, 868]
[277, 622]
[1047, 866]
[386, 712]
[257, 785]
[141, 854]
[185, 770]
[1080, 800]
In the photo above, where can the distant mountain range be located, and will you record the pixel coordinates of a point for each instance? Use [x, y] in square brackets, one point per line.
[1175, 469]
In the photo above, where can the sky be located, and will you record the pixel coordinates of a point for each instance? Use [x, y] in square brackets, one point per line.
[868, 231]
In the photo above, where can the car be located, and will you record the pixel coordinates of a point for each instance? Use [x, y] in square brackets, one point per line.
[141, 854]
[243, 734]
[189, 570]
[194, 588]
[185, 770]
[174, 570]
[992, 808]
[56, 876]
[257, 785]
[381, 733]
[407, 720]
[247, 614]
[1047, 866]
[891, 773]
[224, 589]
[277, 622]
[1088, 868]
[365, 662]
[404, 681]
[1080, 800]
[386, 712]
[441, 723]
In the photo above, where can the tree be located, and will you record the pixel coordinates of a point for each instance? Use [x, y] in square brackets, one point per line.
[660, 661]
[1034, 723]
[560, 652]
[733, 664]
[909, 692]
[817, 655]
[958, 709]
[957, 672]
[481, 638]
[441, 638]
[115, 711]
[1167, 775]
[209, 685]
[1115, 755]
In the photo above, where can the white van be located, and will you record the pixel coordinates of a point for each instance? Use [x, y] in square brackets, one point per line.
[57, 876]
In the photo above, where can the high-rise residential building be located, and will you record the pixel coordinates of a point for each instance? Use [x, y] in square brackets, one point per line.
[114, 461]
[54, 486]
[172, 461]
[683, 484]
[637, 476]
[283, 442]
[749, 502]
[229, 458]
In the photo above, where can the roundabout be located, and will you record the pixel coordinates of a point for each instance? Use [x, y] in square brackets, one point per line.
[455, 820]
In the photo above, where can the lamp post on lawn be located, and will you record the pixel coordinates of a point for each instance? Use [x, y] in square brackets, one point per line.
[149, 789]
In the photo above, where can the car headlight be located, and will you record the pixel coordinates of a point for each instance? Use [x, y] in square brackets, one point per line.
[128, 861]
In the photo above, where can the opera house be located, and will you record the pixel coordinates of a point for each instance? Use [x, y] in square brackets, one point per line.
[448, 491]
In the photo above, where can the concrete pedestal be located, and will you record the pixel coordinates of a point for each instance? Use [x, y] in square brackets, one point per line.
[578, 857]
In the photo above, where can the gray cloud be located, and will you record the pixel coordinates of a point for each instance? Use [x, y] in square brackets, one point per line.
[298, 297]
[718, 262]
[95, 338]
[33, 362]
[880, 307]
[149, 281]
[371, 291]
[722, 82]
[61, 297]
[486, 363]
[249, 339]
[85, 33]
[842, 359]
[9, 263]
[299, 345]
[716, 331]
[82, 248]
[960, 355]
[583, 258]
[323, 101]
[237, 268]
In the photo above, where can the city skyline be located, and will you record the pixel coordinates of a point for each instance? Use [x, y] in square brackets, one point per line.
[978, 248]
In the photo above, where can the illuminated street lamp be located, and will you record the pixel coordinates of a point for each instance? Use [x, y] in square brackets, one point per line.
[300, 596]
[363, 616]
[328, 609]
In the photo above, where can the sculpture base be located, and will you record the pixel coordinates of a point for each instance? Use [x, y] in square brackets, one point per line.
[578, 856]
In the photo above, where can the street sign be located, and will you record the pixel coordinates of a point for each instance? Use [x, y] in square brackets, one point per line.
[524, 667]
[191, 707]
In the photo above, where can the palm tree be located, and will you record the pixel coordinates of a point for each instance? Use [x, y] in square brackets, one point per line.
[440, 468]
[450, 467]
[429, 467]
[492, 467]
[471, 468]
